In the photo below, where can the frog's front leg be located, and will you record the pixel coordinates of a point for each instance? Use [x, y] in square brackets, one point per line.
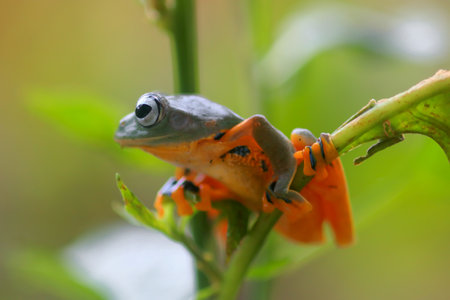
[187, 180]
[277, 148]
[173, 188]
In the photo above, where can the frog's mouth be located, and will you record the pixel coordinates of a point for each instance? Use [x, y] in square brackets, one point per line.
[137, 142]
[131, 134]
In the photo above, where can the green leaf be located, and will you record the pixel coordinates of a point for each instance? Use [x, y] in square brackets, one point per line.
[382, 144]
[81, 113]
[423, 109]
[138, 210]
[48, 272]
[89, 118]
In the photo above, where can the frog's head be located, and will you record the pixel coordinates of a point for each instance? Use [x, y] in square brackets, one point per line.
[162, 120]
[148, 124]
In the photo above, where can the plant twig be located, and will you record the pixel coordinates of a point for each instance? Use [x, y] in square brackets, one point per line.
[242, 258]
[184, 49]
[386, 108]
[184, 46]
[364, 121]
[206, 265]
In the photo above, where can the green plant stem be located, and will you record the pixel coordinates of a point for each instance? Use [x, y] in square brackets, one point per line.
[201, 231]
[203, 263]
[184, 49]
[252, 244]
[241, 260]
[386, 108]
[184, 46]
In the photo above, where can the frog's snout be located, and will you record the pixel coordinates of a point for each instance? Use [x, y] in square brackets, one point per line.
[125, 129]
[122, 122]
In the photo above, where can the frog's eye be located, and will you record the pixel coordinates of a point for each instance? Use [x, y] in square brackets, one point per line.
[148, 110]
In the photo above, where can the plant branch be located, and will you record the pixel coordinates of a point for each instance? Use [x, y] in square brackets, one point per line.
[184, 46]
[363, 122]
[252, 244]
[206, 265]
[242, 258]
[182, 27]
[384, 109]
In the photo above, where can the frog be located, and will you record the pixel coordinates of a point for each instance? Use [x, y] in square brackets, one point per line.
[221, 155]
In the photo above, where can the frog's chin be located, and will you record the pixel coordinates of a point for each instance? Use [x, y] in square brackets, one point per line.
[140, 142]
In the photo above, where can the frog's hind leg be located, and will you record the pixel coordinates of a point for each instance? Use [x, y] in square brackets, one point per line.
[277, 148]
[328, 195]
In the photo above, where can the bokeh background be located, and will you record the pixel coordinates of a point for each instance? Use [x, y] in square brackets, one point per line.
[70, 69]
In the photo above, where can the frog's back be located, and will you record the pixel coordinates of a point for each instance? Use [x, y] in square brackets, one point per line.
[203, 111]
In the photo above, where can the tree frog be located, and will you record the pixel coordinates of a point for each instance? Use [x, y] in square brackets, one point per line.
[223, 156]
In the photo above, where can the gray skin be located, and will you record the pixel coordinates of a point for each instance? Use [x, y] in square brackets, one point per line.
[182, 118]
[186, 118]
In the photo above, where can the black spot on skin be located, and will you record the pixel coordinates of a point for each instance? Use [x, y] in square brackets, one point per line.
[264, 166]
[268, 197]
[240, 150]
[272, 185]
[286, 200]
[189, 186]
[210, 162]
[312, 159]
[187, 171]
[321, 148]
[219, 136]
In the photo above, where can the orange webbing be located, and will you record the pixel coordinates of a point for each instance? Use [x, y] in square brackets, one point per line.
[183, 206]
[304, 153]
[210, 190]
[328, 194]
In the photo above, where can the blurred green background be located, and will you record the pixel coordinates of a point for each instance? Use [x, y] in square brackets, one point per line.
[89, 61]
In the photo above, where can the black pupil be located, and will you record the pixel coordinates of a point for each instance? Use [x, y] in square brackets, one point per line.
[142, 110]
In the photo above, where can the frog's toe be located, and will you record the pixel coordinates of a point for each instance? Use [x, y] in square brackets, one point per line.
[293, 196]
[289, 196]
[293, 205]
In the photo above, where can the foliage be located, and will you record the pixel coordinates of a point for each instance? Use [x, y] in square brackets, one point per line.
[48, 270]
[423, 109]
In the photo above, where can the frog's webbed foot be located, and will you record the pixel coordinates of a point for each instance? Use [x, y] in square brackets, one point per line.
[293, 204]
[327, 192]
[287, 196]
[315, 154]
[175, 188]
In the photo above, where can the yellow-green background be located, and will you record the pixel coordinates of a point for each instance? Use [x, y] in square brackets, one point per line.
[55, 186]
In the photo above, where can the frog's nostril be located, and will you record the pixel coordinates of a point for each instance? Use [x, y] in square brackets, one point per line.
[123, 122]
